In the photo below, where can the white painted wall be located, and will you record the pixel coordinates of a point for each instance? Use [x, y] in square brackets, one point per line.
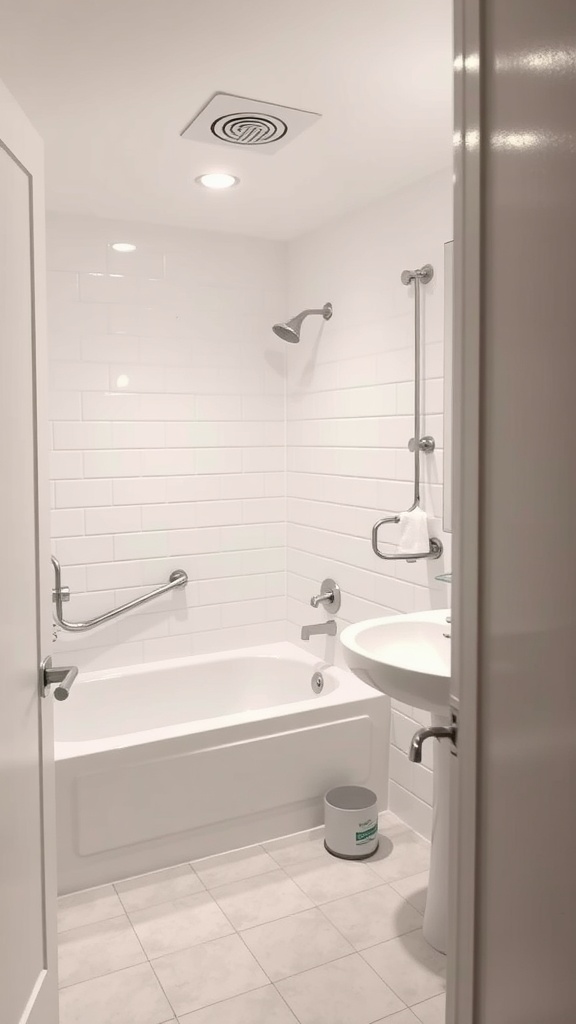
[167, 404]
[350, 403]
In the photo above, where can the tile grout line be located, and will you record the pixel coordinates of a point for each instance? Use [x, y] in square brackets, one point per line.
[147, 961]
[318, 905]
[347, 956]
[207, 1005]
[147, 874]
[162, 989]
[297, 973]
[102, 920]
[389, 983]
[235, 930]
[97, 977]
[379, 942]
[290, 1010]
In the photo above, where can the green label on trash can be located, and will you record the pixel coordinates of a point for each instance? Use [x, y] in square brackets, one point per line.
[367, 834]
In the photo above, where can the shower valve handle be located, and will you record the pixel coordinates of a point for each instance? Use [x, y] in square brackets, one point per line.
[329, 595]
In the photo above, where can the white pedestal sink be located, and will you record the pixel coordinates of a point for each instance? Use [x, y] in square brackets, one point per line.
[408, 657]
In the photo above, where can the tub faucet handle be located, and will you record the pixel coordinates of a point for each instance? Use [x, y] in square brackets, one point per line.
[329, 595]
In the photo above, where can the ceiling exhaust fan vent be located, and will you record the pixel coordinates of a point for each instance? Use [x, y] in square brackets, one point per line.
[236, 121]
[249, 129]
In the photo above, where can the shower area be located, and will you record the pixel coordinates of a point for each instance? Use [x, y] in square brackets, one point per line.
[187, 438]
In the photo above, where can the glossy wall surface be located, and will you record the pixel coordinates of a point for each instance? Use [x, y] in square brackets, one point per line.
[350, 408]
[167, 408]
[526, 882]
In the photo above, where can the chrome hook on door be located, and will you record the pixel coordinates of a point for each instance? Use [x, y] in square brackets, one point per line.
[61, 678]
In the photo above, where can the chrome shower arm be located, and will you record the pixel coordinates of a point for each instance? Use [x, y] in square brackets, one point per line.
[290, 329]
[324, 311]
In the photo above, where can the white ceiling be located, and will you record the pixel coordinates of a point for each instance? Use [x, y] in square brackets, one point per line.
[111, 84]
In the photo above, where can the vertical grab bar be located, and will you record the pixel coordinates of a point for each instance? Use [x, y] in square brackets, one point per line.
[417, 444]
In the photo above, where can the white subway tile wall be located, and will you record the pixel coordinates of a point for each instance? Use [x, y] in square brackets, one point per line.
[182, 428]
[349, 408]
[168, 436]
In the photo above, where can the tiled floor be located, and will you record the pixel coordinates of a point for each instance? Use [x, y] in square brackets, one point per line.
[276, 934]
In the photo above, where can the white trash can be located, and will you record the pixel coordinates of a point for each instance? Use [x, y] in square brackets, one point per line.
[351, 820]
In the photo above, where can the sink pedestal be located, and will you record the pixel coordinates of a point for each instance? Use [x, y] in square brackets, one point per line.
[435, 925]
[408, 658]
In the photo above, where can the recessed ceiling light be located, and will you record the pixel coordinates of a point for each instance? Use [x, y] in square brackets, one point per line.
[123, 246]
[217, 180]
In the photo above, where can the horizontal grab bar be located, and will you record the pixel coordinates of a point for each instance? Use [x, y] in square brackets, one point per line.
[434, 551]
[177, 578]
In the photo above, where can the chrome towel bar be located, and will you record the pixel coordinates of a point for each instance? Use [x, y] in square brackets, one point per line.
[177, 578]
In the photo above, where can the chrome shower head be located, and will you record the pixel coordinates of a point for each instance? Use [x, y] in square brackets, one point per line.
[290, 330]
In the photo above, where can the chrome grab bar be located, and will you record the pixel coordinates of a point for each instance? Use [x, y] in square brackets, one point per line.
[435, 551]
[416, 444]
[177, 578]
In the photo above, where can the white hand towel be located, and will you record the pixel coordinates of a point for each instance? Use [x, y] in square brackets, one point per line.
[414, 532]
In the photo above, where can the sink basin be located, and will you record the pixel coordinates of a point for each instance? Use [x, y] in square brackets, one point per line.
[405, 656]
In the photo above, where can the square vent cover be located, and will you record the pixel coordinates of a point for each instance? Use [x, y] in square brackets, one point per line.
[251, 124]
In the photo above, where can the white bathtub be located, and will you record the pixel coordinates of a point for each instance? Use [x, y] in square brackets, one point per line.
[162, 763]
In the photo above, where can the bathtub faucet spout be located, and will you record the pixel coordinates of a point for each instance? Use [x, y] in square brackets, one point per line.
[329, 628]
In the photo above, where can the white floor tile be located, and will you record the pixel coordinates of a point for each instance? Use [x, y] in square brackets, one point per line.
[298, 848]
[433, 1011]
[158, 887]
[404, 1017]
[88, 907]
[387, 821]
[295, 944]
[414, 889]
[331, 879]
[97, 949]
[209, 973]
[179, 924]
[412, 968]
[345, 991]
[234, 866]
[256, 901]
[215, 977]
[373, 916]
[407, 855]
[263, 1006]
[132, 996]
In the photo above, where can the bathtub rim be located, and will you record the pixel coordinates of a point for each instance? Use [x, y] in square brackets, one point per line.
[348, 689]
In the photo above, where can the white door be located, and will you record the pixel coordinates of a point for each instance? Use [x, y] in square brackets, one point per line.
[461, 988]
[28, 978]
[513, 899]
